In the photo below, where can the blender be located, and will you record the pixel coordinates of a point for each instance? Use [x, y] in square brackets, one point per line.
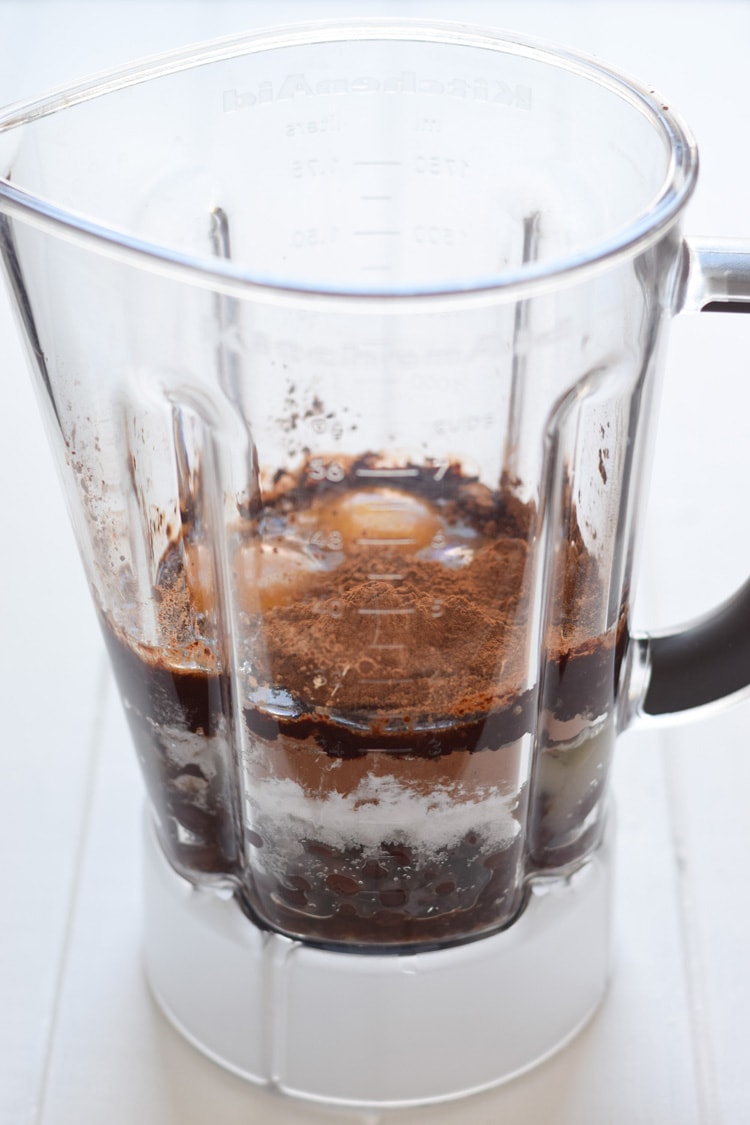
[348, 339]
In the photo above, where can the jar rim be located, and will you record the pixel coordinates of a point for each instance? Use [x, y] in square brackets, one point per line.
[225, 275]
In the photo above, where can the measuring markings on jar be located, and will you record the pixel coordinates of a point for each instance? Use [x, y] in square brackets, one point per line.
[387, 612]
[386, 472]
[319, 469]
[327, 541]
[375, 196]
[365, 541]
[440, 468]
[390, 750]
[393, 506]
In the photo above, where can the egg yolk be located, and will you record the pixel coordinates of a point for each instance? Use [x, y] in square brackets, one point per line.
[273, 572]
[379, 517]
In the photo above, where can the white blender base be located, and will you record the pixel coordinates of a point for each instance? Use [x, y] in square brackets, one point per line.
[364, 1029]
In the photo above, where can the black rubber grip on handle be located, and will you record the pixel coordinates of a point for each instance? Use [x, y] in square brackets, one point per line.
[727, 307]
[703, 663]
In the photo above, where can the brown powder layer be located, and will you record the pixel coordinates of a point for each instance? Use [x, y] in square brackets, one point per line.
[394, 631]
[437, 642]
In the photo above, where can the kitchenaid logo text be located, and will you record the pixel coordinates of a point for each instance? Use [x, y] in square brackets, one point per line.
[296, 86]
[373, 360]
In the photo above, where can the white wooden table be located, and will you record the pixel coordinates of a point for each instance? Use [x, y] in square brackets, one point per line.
[81, 1042]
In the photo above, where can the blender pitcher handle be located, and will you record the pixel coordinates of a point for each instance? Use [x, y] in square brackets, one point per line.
[709, 659]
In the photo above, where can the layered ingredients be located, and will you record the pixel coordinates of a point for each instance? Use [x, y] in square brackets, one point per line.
[373, 752]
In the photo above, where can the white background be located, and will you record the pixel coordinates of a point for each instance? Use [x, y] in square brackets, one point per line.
[81, 1043]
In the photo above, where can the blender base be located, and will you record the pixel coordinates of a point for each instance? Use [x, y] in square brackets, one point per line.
[371, 1029]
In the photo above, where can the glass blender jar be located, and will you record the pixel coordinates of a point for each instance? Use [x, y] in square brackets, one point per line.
[348, 338]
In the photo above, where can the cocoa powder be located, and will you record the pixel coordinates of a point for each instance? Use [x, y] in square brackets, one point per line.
[439, 642]
[415, 634]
